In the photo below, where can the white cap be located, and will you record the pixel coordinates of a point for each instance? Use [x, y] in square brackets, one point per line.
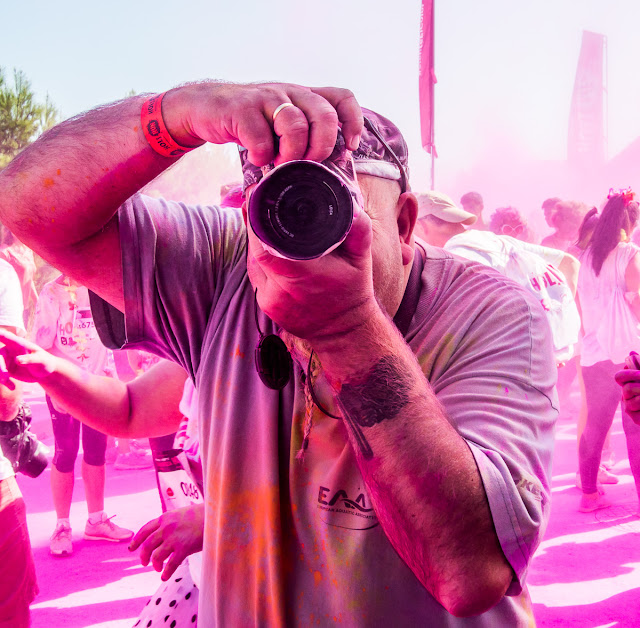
[441, 206]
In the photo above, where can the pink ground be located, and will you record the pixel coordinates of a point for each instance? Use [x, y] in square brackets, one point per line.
[586, 573]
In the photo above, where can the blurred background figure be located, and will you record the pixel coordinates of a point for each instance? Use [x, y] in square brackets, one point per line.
[609, 296]
[566, 219]
[23, 261]
[231, 195]
[18, 586]
[64, 325]
[472, 202]
[548, 207]
[509, 222]
[439, 218]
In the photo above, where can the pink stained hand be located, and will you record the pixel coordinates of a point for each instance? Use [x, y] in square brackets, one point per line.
[23, 360]
[171, 537]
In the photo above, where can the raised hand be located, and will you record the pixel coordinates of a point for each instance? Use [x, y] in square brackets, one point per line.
[23, 360]
[221, 113]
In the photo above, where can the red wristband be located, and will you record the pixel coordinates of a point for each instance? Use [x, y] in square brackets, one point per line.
[155, 130]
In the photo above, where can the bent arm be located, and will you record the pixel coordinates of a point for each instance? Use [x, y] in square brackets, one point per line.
[60, 195]
[146, 406]
[421, 475]
[570, 267]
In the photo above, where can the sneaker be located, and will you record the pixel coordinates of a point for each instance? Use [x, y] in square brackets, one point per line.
[106, 530]
[591, 503]
[134, 460]
[60, 544]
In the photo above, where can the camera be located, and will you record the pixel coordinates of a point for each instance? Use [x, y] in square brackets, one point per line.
[304, 209]
[21, 447]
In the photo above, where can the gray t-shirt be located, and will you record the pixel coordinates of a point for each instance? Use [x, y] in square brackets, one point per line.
[291, 542]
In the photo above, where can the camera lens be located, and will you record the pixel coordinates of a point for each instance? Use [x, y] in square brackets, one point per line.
[301, 210]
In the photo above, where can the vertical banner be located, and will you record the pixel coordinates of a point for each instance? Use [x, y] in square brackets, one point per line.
[427, 78]
[586, 119]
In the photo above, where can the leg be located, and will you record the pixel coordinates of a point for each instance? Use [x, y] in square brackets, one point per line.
[99, 527]
[603, 396]
[94, 445]
[66, 432]
[18, 584]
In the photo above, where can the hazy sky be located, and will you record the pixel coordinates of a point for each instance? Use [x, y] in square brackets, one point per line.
[505, 69]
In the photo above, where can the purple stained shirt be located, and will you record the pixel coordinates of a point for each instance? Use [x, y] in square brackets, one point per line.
[294, 543]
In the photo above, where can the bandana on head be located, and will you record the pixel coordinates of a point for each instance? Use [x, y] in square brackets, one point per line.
[371, 158]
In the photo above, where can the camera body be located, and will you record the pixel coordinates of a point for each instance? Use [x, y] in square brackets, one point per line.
[20, 445]
[303, 209]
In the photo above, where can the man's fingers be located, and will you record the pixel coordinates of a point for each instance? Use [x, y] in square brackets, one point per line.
[160, 554]
[349, 112]
[292, 128]
[172, 564]
[143, 533]
[626, 376]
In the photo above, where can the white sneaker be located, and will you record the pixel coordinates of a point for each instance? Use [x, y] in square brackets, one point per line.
[106, 530]
[604, 477]
[60, 544]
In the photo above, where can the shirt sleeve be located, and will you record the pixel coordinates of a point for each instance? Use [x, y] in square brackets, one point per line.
[177, 261]
[498, 389]
[11, 308]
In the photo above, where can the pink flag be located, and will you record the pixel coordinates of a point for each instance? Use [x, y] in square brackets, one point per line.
[427, 76]
[586, 120]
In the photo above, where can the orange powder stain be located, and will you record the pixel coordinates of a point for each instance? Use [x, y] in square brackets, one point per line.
[48, 182]
[237, 353]
[58, 172]
[317, 577]
[135, 128]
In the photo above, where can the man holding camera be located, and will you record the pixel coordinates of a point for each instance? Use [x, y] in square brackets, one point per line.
[361, 484]
[18, 584]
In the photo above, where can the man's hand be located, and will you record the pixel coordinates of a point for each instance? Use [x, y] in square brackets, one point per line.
[174, 536]
[221, 113]
[23, 360]
[629, 379]
[320, 298]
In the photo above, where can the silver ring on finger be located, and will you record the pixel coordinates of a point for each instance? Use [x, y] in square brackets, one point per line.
[279, 108]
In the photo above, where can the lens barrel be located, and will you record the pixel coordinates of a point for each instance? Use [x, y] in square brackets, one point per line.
[301, 210]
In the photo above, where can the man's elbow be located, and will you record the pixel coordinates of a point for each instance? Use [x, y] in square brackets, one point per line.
[479, 594]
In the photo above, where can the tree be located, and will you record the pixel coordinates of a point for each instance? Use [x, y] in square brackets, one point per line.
[22, 117]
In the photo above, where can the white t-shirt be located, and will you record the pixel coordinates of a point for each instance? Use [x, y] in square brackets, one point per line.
[10, 316]
[606, 317]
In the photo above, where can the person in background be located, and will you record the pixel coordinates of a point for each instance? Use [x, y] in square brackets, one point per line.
[566, 220]
[23, 261]
[605, 476]
[609, 298]
[18, 584]
[439, 219]
[509, 222]
[64, 325]
[548, 209]
[472, 202]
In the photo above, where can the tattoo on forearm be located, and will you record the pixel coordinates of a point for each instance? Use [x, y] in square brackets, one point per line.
[380, 396]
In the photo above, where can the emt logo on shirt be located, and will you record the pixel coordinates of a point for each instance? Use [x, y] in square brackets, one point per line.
[338, 509]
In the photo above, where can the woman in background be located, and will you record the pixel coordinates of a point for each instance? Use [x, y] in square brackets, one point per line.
[609, 296]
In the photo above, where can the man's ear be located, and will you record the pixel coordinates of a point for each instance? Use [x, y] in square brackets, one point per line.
[407, 214]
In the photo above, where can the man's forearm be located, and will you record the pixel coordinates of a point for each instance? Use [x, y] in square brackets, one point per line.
[421, 475]
[100, 402]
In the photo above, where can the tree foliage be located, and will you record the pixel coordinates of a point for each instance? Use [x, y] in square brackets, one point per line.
[22, 116]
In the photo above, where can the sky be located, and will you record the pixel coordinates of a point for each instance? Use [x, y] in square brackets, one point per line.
[505, 69]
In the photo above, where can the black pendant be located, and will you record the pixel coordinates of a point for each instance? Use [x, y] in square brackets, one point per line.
[273, 362]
